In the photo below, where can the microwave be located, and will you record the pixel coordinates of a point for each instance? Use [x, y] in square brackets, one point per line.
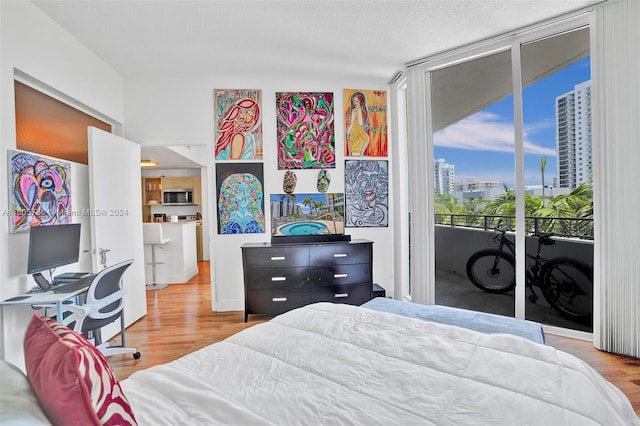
[177, 197]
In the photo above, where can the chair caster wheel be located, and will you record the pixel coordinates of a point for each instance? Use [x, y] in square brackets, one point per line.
[137, 355]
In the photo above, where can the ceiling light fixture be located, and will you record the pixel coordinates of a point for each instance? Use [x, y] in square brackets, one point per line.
[148, 163]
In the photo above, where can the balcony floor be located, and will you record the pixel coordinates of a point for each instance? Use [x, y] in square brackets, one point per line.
[456, 291]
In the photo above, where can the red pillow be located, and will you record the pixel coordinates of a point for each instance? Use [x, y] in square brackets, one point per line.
[71, 378]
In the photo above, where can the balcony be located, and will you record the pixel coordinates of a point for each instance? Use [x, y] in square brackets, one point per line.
[457, 237]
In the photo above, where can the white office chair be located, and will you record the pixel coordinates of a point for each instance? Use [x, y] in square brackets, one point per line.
[103, 305]
[152, 235]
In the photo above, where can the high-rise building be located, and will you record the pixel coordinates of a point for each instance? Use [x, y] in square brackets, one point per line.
[573, 136]
[445, 177]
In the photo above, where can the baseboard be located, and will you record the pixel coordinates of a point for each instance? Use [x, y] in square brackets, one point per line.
[174, 278]
[228, 305]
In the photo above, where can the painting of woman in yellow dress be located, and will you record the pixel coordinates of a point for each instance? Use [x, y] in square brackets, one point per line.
[365, 113]
[357, 125]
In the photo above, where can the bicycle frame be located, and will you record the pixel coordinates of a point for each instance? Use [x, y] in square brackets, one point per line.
[563, 281]
[533, 271]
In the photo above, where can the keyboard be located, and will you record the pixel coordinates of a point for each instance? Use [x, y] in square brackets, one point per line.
[71, 286]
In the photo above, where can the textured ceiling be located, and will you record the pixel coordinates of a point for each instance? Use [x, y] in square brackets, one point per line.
[367, 39]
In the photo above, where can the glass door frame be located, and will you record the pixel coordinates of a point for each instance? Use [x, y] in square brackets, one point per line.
[421, 159]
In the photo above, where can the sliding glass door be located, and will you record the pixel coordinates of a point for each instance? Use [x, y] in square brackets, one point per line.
[510, 150]
[473, 151]
[558, 160]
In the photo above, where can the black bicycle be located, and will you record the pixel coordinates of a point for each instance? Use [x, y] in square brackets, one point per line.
[566, 283]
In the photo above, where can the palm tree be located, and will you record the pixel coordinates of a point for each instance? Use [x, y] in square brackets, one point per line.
[505, 205]
[563, 212]
[447, 205]
[291, 203]
[318, 206]
[308, 201]
[577, 204]
[543, 165]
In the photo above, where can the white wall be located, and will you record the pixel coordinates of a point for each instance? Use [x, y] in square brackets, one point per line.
[166, 111]
[35, 48]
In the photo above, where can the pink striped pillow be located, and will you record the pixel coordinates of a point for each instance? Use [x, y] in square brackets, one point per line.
[71, 378]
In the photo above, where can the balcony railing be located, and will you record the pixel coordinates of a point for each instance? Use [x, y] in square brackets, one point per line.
[569, 227]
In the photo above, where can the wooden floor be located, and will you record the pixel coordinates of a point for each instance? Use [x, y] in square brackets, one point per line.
[179, 320]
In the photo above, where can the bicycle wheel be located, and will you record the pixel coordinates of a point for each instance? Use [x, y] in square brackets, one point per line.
[567, 284]
[492, 270]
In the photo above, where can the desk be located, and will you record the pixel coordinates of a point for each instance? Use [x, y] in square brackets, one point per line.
[45, 298]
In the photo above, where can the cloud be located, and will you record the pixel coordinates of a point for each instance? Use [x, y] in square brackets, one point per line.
[486, 131]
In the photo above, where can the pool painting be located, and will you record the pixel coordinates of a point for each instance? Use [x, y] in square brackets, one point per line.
[307, 214]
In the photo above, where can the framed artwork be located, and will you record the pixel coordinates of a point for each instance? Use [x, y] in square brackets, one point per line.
[40, 191]
[307, 214]
[365, 121]
[240, 198]
[238, 118]
[305, 132]
[366, 193]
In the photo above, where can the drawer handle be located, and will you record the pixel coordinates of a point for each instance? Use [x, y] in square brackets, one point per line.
[279, 299]
[341, 295]
[278, 278]
[278, 258]
[340, 275]
[340, 255]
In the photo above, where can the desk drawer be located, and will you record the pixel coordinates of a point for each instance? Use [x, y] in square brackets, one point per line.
[275, 302]
[337, 254]
[353, 294]
[341, 274]
[270, 278]
[275, 257]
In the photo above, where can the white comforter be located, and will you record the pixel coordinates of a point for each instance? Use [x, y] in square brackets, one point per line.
[338, 364]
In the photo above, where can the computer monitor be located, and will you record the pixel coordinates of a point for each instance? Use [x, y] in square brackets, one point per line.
[53, 246]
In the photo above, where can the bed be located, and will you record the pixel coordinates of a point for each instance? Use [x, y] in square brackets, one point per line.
[339, 364]
[473, 320]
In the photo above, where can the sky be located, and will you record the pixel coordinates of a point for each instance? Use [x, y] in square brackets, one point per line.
[481, 146]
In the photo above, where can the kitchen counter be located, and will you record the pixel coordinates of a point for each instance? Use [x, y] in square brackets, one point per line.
[176, 259]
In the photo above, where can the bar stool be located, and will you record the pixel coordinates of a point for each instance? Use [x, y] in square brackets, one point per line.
[152, 235]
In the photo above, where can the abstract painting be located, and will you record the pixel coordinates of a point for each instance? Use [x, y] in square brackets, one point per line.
[365, 121]
[40, 191]
[238, 115]
[240, 196]
[305, 132]
[366, 193]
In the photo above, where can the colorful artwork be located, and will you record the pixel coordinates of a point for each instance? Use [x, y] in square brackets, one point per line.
[323, 181]
[307, 214]
[289, 182]
[365, 121]
[305, 130]
[240, 198]
[366, 193]
[40, 191]
[238, 115]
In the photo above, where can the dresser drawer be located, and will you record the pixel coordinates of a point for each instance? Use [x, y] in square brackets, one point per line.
[271, 278]
[340, 274]
[278, 278]
[353, 294]
[337, 254]
[274, 302]
[275, 257]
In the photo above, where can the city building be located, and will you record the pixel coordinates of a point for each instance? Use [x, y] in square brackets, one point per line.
[445, 177]
[573, 136]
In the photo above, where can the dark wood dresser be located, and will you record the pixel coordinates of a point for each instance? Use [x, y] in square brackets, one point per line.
[278, 278]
